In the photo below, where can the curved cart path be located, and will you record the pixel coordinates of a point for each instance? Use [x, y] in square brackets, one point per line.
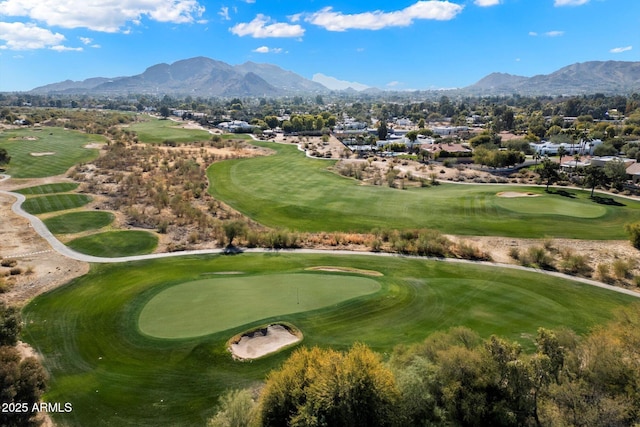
[64, 250]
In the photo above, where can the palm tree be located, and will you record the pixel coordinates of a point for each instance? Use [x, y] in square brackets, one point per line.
[537, 157]
[576, 157]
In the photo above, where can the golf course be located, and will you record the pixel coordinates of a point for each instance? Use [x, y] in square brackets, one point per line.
[145, 343]
[292, 191]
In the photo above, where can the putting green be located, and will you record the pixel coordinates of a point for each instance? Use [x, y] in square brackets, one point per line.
[552, 205]
[204, 307]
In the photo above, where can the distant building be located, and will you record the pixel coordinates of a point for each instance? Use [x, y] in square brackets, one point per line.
[547, 148]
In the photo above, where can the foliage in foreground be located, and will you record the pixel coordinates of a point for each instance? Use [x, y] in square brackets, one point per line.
[634, 234]
[456, 378]
[22, 380]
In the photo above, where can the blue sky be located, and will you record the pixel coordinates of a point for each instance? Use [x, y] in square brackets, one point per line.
[399, 45]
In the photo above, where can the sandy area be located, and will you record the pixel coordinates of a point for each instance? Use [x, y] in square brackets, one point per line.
[43, 269]
[46, 153]
[514, 194]
[263, 341]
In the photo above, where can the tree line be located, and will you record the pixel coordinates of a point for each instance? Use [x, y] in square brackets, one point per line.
[455, 378]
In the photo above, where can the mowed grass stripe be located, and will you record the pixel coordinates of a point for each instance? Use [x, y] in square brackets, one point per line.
[54, 202]
[113, 244]
[77, 222]
[213, 305]
[88, 330]
[291, 191]
[62, 187]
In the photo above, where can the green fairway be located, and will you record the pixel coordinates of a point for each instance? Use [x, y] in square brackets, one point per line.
[206, 306]
[77, 222]
[154, 131]
[101, 362]
[63, 187]
[40, 152]
[292, 191]
[54, 202]
[113, 244]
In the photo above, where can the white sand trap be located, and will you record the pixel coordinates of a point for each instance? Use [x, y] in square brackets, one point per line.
[263, 341]
[46, 153]
[512, 194]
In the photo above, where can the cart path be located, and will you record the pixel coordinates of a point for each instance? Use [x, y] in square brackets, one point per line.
[64, 250]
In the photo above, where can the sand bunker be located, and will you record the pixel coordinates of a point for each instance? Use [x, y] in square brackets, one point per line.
[263, 341]
[46, 153]
[346, 270]
[512, 194]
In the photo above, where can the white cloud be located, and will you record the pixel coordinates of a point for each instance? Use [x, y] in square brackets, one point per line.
[621, 49]
[547, 34]
[486, 3]
[266, 49]
[336, 84]
[262, 27]
[558, 3]
[85, 40]
[224, 12]
[21, 36]
[61, 48]
[393, 83]
[376, 20]
[100, 15]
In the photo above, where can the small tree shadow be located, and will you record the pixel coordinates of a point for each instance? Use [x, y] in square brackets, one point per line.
[606, 201]
[563, 193]
[232, 250]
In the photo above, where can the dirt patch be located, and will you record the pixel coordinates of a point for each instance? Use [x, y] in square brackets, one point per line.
[513, 194]
[263, 341]
[346, 270]
[46, 153]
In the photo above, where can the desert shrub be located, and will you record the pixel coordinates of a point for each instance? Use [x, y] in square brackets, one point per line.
[236, 409]
[622, 268]
[575, 264]
[15, 271]
[603, 273]
[376, 245]
[514, 253]
[634, 234]
[8, 262]
[537, 256]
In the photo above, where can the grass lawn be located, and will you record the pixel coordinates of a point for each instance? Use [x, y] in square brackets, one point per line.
[155, 131]
[115, 243]
[54, 202]
[77, 222]
[63, 187]
[291, 191]
[88, 331]
[41, 152]
[207, 306]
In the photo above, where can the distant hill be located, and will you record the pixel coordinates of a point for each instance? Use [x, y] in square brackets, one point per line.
[196, 76]
[610, 77]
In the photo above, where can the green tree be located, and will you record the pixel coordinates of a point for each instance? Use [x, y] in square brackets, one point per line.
[327, 388]
[5, 158]
[233, 229]
[549, 172]
[21, 381]
[616, 171]
[382, 130]
[594, 176]
[165, 112]
[10, 325]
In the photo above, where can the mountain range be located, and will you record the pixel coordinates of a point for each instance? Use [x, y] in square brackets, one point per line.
[207, 77]
[610, 77]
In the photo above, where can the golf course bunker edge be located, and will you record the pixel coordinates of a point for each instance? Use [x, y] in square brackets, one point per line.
[262, 341]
